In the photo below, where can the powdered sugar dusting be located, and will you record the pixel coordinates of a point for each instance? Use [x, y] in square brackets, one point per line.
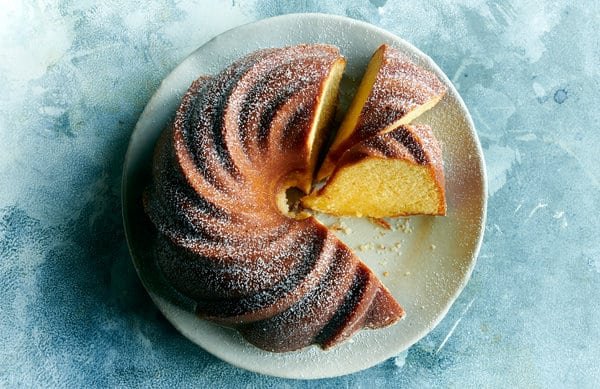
[218, 169]
[401, 88]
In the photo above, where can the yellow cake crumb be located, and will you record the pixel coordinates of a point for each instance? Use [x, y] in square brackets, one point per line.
[404, 226]
[366, 246]
[341, 226]
[381, 223]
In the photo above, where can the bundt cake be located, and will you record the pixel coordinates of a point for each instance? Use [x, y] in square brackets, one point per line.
[392, 174]
[393, 91]
[223, 238]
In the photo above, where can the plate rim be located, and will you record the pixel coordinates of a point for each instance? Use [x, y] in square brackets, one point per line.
[471, 128]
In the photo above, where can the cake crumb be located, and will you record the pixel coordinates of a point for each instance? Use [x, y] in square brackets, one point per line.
[381, 248]
[396, 248]
[381, 223]
[366, 246]
[342, 227]
[432, 247]
[407, 273]
[385, 273]
[300, 215]
[404, 226]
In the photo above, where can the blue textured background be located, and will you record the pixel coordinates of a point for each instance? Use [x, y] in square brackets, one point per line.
[75, 76]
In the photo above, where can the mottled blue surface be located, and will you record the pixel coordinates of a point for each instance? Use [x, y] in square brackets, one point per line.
[74, 78]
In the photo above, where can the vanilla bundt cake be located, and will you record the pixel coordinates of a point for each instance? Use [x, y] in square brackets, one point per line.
[396, 173]
[237, 142]
[393, 91]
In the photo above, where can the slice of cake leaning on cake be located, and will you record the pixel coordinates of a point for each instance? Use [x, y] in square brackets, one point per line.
[397, 173]
[378, 164]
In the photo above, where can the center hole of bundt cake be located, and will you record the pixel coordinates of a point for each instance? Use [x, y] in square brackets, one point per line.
[288, 202]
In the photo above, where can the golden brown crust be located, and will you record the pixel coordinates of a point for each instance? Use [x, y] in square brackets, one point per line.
[221, 239]
[400, 87]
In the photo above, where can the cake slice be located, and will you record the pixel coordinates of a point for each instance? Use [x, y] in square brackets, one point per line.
[393, 92]
[393, 174]
[321, 119]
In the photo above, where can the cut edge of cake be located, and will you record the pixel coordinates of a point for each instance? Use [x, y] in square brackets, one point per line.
[399, 173]
[324, 113]
[365, 100]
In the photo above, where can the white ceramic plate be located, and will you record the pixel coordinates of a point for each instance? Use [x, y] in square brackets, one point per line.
[435, 256]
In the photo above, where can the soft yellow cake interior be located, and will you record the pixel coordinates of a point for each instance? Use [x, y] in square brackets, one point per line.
[376, 187]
